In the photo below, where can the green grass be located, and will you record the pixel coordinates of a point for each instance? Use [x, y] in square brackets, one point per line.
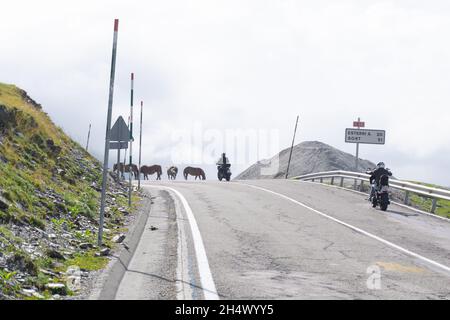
[29, 174]
[425, 203]
[87, 261]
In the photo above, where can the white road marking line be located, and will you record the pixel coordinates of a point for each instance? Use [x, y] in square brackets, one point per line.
[206, 279]
[393, 245]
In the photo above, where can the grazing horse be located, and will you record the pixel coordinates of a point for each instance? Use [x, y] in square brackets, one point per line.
[134, 169]
[197, 172]
[120, 168]
[149, 170]
[172, 173]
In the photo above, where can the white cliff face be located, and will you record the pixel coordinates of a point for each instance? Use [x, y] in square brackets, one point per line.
[307, 157]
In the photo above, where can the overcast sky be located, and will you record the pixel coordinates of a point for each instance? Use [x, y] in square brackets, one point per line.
[222, 66]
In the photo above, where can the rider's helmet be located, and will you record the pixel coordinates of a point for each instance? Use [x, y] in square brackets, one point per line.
[380, 165]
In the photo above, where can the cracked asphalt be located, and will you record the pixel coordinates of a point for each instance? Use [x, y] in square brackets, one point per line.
[262, 246]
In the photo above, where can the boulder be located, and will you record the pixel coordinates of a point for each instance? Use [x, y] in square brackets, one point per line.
[118, 238]
[4, 204]
[86, 245]
[55, 254]
[57, 288]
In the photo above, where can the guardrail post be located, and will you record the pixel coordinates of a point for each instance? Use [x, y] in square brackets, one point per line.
[342, 182]
[332, 180]
[433, 206]
[406, 197]
[361, 185]
[312, 179]
[321, 180]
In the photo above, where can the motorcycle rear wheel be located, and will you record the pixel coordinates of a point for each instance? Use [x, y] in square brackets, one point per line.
[384, 202]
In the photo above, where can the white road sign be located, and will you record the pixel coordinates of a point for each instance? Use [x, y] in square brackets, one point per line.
[365, 136]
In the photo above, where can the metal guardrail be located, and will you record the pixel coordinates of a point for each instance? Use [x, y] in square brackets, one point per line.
[408, 187]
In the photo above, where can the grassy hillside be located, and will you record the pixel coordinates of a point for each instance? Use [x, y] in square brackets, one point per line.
[48, 201]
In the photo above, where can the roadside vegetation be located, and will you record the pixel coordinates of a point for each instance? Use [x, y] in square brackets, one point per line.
[424, 203]
[49, 202]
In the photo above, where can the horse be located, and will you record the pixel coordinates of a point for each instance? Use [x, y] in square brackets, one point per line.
[172, 173]
[134, 169]
[197, 172]
[149, 170]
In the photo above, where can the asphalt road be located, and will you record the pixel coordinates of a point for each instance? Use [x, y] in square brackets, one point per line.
[278, 239]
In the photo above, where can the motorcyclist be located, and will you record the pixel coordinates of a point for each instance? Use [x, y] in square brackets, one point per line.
[223, 168]
[376, 175]
[223, 160]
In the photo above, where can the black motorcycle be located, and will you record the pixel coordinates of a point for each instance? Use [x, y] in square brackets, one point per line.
[223, 171]
[381, 196]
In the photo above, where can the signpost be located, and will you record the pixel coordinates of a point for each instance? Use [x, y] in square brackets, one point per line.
[120, 135]
[107, 136]
[366, 136]
[117, 145]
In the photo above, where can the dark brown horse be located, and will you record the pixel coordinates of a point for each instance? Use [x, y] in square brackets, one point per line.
[197, 172]
[172, 173]
[134, 169]
[149, 170]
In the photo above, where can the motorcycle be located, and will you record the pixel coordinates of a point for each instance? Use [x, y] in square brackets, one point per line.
[223, 171]
[381, 193]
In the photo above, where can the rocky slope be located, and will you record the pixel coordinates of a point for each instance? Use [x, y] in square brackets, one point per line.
[307, 157]
[49, 199]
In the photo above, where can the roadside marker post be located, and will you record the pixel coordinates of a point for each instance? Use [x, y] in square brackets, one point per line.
[131, 139]
[358, 125]
[125, 155]
[107, 135]
[140, 147]
[292, 147]
[89, 135]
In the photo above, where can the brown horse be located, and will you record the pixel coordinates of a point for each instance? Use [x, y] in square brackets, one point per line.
[134, 169]
[149, 170]
[172, 173]
[197, 172]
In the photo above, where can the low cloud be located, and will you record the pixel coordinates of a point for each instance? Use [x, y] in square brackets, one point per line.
[243, 64]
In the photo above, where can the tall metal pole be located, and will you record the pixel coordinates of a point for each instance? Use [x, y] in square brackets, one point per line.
[357, 157]
[125, 155]
[131, 139]
[108, 129]
[292, 146]
[140, 147]
[89, 135]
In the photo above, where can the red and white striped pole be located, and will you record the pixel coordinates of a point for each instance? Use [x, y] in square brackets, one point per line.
[108, 131]
[131, 139]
